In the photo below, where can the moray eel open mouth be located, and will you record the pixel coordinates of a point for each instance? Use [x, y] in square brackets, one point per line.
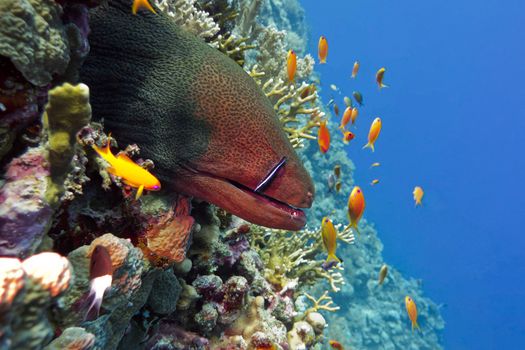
[261, 208]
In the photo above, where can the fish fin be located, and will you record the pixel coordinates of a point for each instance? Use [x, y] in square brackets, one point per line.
[94, 307]
[382, 86]
[138, 4]
[139, 192]
[354, 227]
[333, 257]
[125, 158]
[111, 170]
[415, 326]
[369, 145]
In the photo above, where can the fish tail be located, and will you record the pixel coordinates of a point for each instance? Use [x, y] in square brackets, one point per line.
[382, 86]
[333, 257]
[415, 326]
[369, 145]
[354, 227]
[94, 307]
[139, 192]
[138, 4]
[105, 152]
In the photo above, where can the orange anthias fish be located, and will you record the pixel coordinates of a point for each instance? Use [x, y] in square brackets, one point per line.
[323, 137]
[356, 207]
[379, 77]
[329, 235]
[375, 129]
[336, 109]
[138, 4]
[322, 49]
[291, 64]
[355, 69]
[353, 115]
[131, 173]
[418, 195]
[100, 276]
[411, 311]
[335, 345]
[348, 136]
[346, 117]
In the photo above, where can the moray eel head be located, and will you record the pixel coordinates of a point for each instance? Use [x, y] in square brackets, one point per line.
[208, 127]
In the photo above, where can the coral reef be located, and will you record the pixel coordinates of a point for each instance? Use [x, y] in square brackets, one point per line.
[186, 274]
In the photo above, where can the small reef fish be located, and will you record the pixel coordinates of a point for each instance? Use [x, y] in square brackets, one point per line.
[336, 109]
[322, 49]
[331, 182]
[309, 90]
[355, 69]
[358, 97]
[131, 173]
[331, 102]
[348, 136]
[333, 87]
[335, 345]
[267, 347]
[353, 115]
[411, 311]
[329, 235]
[271, 175]
[337, 170]
[374, 182]
[138, 4]
[356, 207]
[338, 186]
[418, 195]
[348, 101]
[323, 137]
[291, 65]
[347, 115]
[375, 165]
[379, 78]
[100, 276]
[375, 129]
[383, 271]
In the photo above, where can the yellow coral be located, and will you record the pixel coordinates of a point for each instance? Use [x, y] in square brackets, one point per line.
[67, 111]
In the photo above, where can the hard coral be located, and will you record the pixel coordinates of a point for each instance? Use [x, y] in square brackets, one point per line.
[25, 215]
[49, 270]
[33, 37]
[67, 111]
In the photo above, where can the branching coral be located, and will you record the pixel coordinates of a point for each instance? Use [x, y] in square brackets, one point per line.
[292, 255]
[188, 16]
[324, 302]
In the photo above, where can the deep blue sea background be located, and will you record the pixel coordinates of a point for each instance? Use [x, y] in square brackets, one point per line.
[454, 123]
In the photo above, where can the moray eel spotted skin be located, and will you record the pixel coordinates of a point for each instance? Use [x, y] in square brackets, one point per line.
[205, 123]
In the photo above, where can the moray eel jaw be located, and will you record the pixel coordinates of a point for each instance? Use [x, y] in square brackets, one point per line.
[242, 201]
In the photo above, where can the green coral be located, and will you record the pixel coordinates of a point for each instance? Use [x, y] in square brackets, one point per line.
[67, 111]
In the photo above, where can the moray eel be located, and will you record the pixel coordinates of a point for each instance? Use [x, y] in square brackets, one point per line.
[205, 123]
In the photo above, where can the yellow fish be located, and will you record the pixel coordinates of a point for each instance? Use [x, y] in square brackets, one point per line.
[337, 170]
[291, 64]
[374, 165]
[322, 49]
[355, 69]
[411, 311]
[375, 129]
[348, 136]
[379, 77]
[131, 173]
[347, 115]
[356, 207]
[329, 235]
[138, 4]
[382, 274]
[335, 345]
[418, 195]
[374, 182]
[323, 137]
[353, 115]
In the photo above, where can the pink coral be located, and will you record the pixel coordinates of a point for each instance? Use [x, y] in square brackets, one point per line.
[50, 270]
[11, 280]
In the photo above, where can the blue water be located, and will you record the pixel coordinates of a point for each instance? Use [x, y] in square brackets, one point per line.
[453, 122]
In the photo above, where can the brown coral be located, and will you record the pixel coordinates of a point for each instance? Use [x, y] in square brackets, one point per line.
[50, 270]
